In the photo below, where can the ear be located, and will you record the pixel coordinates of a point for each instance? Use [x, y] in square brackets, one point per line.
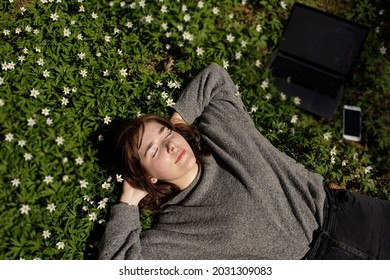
[153, 180]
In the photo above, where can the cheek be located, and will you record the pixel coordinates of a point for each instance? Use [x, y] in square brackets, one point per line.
[159, 166]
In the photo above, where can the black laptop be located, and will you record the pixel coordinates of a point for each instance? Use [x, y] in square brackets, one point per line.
[315, 58]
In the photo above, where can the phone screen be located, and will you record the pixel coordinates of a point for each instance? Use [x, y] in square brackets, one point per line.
[352, 122]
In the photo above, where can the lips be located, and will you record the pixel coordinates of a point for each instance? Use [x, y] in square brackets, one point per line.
[181, 155]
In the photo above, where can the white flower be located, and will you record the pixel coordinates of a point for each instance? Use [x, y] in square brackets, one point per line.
[188, 36]
[81, 55]
[119, 178]
[142, 3]
[79, 161]
[21, 58]
[225, 64]
[344, 162]
[268, 96]
[283, 96]
[215, 10]
[40, 62]
[65, 178]
[31, 122]
[107, 38]
[283, 5]
[327, 135]
[199, 51]
[171, 84]
[1, 83]
[265, 84]
[66, 90]
[383, 50]
[294, 119]
[4, 66]
[170, 102]
[333, 152]
[258, 63]
[6, 32]
[107, 120]
[106, 186]
[123, 72]
[92, 217]
[34, 93]
[83, 73]
[129, 24]
[22, 143]
[238, 55]
[25, 209]
[48, 179]
[230, 38]
[200, 4]
[332, 160]
[368, 169]
[94, 16]
[103, 203]
[106, 73]
[59, 141]
[54, 17]
[46, 73]
[64, 101]
[15, 182]
[164, 9]
[46, 234]
[148, 19]
[45, 112]
[51, 207]
[67, 32]
[49, 121]
[80, 37]
[254, 109]
[9, 137]
[187, 18]
[83, 184]
[258, 28]
[297, 100]
[60, 245]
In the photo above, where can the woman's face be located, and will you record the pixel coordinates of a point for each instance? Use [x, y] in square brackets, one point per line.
[167, 156]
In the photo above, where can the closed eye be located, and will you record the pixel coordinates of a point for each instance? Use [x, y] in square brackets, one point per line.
[166, 137]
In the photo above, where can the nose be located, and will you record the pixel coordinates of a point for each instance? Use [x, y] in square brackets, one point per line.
[170, 147]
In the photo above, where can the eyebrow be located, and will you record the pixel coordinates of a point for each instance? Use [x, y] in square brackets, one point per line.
[151, 143]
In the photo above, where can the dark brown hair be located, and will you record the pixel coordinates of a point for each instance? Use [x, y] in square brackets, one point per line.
[128, 144]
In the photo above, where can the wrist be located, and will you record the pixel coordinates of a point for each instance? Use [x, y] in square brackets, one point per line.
[129, 199]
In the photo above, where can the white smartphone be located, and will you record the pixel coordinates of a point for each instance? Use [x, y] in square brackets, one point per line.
[352, 123]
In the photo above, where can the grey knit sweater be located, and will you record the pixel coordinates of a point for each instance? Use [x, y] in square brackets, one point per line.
[250, 201]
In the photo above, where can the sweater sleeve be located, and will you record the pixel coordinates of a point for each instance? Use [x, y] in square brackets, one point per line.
[121, 239]
[211, 86]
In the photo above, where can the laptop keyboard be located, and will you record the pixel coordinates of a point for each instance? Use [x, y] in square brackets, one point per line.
[307, 77]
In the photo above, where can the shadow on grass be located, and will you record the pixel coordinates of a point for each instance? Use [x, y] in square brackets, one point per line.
[104, 142]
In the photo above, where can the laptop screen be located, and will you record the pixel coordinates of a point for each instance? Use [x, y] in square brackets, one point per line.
[323, 39]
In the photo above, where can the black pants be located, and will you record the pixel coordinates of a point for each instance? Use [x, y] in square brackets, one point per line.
[355, 227]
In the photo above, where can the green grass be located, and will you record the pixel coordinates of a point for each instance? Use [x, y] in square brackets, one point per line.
[71, 70]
